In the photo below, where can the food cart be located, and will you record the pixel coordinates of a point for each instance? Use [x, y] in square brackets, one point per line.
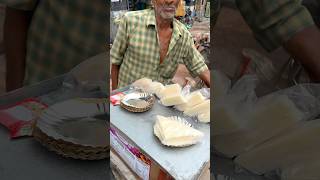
[132, 134]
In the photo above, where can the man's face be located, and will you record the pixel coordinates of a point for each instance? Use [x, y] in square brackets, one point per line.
[166, 8]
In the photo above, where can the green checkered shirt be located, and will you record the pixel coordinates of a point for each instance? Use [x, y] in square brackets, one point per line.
[273, 22]
[136, 50]
[62, 34]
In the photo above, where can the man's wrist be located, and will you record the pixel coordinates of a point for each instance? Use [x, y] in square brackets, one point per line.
[304, 47]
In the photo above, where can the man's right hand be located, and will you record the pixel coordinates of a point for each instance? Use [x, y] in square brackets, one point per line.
[304, 46]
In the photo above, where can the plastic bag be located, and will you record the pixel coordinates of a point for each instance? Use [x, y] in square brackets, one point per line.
[258, 64]
[90, 75]
[249, 121]
[221, 85]
[186, 90]
[307, 170]
[306, 97]
[243, 91]
[193, 99]
[297, 146]
[230, 112]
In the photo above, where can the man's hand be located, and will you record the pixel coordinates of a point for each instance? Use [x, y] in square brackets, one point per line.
[304, 46]
[15, 35]
[205, 77]
[114, 76]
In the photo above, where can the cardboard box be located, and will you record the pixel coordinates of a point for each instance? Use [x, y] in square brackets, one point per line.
[141, 165]
[135, 159]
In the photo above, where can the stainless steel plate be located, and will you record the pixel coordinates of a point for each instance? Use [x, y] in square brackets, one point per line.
[138, 100]
[80, 124]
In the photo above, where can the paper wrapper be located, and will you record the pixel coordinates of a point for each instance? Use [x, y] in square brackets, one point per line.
[20, 117]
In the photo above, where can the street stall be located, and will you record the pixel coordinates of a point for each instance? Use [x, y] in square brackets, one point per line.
[63, 120]
[155, 132]
[136, 138]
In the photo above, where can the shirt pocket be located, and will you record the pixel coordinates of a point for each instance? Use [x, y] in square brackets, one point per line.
[142, 46]
[136, 45]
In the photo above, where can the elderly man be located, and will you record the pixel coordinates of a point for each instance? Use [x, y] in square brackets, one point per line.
[151, 43]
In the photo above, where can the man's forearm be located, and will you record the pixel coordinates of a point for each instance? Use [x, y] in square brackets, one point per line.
[114, 76]
[304, 47]
[205, 77]
[15, 34]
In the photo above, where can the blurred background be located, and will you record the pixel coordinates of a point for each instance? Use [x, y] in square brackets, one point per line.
[2, 57]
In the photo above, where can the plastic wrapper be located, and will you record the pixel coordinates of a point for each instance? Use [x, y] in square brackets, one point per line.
[243, 121]
[287, 151]
[155, 88]
[306, 97]
[192, 102]
[221, 85]
[228, 118]
[142, 83]
[230, 113]
[306, 170]
[87, 79]
[258, 64]
[89, 75]
[186, 90]
[149, 86]
[243, 91]
[171, 95]
[205, 92]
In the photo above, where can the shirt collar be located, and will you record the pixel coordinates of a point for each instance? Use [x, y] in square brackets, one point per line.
[151, 19]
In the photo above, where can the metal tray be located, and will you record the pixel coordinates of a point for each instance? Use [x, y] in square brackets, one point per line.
[80, 123]
[137, 102]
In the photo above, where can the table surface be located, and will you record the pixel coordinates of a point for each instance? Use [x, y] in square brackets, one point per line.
[25, 158]
[181, 163]
[225, 168]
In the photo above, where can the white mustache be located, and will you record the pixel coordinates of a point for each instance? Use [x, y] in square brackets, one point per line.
[168, 7]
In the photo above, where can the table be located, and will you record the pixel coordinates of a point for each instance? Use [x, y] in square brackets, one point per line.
[181, 163]
[225, 168]
[25, 158]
